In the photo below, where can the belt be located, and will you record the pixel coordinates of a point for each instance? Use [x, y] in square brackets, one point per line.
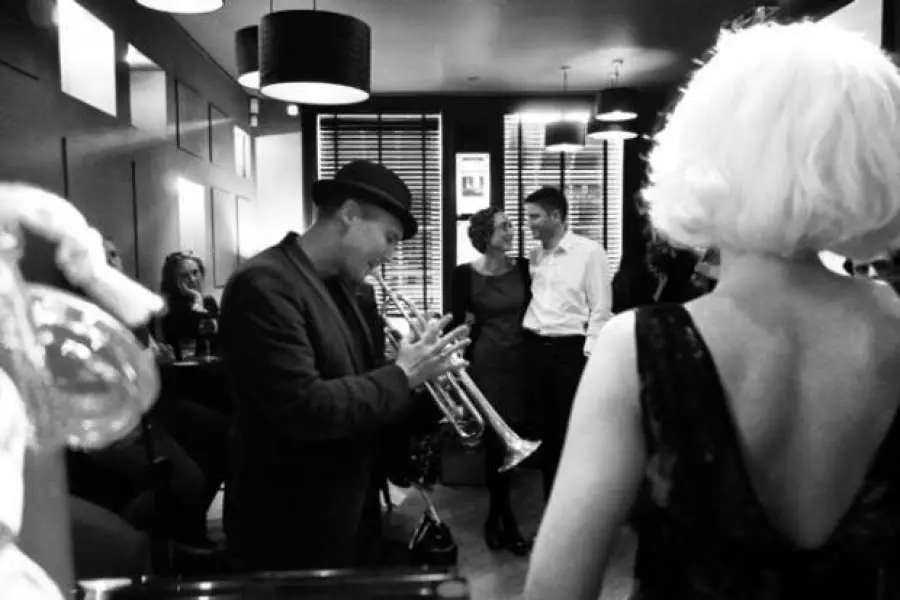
[552, 340]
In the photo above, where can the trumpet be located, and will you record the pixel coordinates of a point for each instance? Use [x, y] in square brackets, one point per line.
[456, 395]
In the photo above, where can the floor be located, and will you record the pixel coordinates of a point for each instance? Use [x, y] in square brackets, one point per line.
[492, 575]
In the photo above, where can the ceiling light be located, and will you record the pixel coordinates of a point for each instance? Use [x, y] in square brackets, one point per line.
[315, 57]
[184, 7]
[606, 130]
[254, 121]
[293, 110]
[246, 53]
[564, 136]
[616, 103]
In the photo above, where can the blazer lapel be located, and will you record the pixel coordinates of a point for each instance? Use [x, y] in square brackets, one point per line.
[298, 258]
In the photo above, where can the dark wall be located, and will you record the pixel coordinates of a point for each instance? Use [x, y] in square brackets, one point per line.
[121, 177]
[472, 124]
[890, 33]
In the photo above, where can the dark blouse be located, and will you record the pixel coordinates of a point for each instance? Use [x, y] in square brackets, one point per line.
[461, 297]
[703, 534]
[182, 323]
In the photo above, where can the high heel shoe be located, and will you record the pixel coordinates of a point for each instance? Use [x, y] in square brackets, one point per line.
[493, 534]
[512, 540]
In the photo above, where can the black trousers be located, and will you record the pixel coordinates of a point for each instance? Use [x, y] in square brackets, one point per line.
[553, 368]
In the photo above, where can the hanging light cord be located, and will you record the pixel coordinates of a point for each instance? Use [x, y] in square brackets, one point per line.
[614, 78]
[565, 71]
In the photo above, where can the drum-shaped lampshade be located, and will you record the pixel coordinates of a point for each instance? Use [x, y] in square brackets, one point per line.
[184, 7]
[616, 104]
[246, 55]
[315, 57]
[607, 130]
[564, 136]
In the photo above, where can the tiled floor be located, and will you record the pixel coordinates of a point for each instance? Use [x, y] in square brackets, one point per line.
[492, 575]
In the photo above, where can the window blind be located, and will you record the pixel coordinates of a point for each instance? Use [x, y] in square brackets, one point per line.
[409, 145]
[590, 178]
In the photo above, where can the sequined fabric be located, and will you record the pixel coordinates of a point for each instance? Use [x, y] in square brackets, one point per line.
[703, 534]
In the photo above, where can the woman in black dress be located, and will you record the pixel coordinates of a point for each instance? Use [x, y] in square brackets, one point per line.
[491, 293]
[755, 428]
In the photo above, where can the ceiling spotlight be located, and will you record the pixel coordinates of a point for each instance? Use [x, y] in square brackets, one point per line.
[183, 7]
[293, 110]
[254, 121]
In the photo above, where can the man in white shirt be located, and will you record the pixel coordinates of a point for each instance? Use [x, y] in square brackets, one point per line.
[571, 300]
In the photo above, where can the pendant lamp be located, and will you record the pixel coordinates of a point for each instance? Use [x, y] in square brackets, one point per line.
[315, 57]
[183, 7]
[608, 130]
[616, 103]
[246, 53]
[564, 135]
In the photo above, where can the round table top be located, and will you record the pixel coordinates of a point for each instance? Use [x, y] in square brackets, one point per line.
[195, 361]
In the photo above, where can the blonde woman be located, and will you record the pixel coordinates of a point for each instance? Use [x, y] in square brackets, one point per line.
[756, 427]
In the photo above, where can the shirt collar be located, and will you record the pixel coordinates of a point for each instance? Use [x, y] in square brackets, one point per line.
[564, 244]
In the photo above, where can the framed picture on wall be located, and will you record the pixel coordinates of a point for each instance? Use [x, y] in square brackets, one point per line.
[225, 236]
[222, 138]
[192, 118]
[473, 182]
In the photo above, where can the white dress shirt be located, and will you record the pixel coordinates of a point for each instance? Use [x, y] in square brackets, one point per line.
[571, 290]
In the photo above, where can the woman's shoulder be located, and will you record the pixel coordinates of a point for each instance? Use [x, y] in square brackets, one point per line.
[462, 269]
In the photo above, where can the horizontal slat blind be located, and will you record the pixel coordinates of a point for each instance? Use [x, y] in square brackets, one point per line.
[409, 145]
[593, 212]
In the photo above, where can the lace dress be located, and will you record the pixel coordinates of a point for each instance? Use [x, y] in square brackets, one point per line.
[703, 533]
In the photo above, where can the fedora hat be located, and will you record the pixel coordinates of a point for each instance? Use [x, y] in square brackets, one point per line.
[370, 182]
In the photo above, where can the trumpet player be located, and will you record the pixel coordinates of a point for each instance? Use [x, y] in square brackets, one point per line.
[303, 488]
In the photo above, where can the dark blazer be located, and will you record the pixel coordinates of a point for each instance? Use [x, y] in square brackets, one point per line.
[461, 297]
[303, 491]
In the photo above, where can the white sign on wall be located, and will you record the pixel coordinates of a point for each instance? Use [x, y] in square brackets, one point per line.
[473, 182]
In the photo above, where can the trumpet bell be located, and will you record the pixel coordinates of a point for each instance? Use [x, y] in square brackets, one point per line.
[517, 452]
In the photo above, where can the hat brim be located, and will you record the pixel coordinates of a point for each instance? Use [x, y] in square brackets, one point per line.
[330, 188]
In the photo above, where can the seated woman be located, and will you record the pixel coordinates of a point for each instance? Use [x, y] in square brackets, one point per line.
[756, 428]
[191, 315]
[201, 431]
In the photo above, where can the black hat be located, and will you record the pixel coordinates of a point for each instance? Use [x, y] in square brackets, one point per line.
[373, 183]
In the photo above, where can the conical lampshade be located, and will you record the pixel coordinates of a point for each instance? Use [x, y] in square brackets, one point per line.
[315, 57]
[606, 130]
[616, 104]
[246, 54]
[184, 7]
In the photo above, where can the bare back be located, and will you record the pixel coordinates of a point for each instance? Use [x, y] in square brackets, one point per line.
[811, 378]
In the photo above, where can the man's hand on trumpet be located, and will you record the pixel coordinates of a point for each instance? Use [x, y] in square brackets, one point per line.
[429, 354]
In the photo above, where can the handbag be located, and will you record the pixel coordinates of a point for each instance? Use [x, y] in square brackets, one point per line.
[432, 543]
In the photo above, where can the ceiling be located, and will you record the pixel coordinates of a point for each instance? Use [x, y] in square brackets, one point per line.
[503, 46]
